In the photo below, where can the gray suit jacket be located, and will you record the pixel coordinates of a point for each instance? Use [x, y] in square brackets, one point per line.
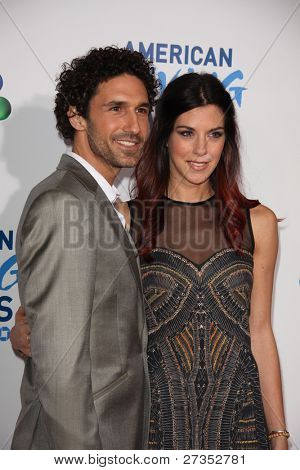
[86, 385]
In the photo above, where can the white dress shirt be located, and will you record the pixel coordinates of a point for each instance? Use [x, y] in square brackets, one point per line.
[110, 191]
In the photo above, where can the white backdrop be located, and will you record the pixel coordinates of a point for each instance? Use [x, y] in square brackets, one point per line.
[261, 42]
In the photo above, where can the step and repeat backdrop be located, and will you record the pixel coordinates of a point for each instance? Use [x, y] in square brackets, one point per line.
[252, 47]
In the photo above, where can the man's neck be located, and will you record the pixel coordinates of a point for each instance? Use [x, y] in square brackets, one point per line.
[106, 170]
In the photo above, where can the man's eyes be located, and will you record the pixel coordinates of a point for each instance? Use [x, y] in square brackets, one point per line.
[143, 110]
[122, 108]
[115, 108]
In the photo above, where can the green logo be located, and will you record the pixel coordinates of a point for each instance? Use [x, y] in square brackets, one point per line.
[5, 106]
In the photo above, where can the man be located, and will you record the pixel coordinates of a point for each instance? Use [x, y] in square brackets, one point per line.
[86, 385]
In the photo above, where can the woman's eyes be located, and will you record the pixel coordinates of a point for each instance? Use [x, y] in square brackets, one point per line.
[186, 133]
[214, 134]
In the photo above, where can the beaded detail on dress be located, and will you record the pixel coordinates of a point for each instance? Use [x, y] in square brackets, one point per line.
[205, 389]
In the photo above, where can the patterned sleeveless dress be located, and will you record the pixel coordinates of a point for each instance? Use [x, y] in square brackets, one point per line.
[205, 391]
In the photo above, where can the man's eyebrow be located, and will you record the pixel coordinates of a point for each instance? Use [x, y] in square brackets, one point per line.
[114, 103]
[146, 104]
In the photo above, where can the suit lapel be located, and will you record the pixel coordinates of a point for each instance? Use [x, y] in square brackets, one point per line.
[68, 163]
[120, 232]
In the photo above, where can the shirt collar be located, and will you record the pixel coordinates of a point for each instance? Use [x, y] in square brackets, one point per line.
[110, 191]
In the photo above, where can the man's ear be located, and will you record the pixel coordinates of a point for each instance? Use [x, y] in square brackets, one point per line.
[76, 120]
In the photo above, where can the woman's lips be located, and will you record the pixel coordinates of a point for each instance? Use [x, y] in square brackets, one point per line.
[197, 166]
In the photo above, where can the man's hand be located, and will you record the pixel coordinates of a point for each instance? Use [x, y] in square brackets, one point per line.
[20, 335]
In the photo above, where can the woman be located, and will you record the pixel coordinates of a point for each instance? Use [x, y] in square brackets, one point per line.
[207, 258]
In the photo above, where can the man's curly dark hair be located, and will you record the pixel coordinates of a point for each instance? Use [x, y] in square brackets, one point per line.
[79, 80]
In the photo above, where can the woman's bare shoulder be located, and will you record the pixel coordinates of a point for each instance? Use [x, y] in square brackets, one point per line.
[263, 216]
[264, 224]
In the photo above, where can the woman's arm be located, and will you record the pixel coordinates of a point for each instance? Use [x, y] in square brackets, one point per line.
[20, 335]
[263, 344]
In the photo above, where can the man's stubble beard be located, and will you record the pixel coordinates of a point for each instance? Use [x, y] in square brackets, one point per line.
[102, 150]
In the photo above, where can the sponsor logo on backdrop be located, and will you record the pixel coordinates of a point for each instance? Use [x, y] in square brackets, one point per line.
[193, 58]
[8, 279]
[5, 106]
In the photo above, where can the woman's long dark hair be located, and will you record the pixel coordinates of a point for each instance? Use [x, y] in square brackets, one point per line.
[153, 172]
